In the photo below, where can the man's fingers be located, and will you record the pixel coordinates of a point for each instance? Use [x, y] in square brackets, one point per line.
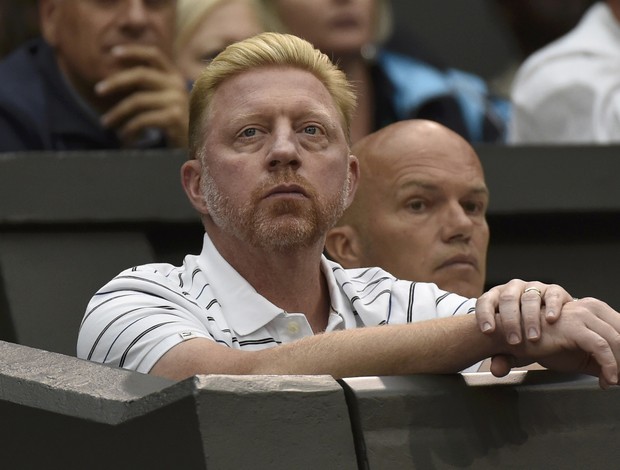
[592, 330]
[531, 305]
[166, 110]
[132, 55]
[554, 298]
[510, 310]
[135, 104]
[167, 120]
[603, 354]
[504, 300]
[139, 78]
[501, 365]
[485, 311]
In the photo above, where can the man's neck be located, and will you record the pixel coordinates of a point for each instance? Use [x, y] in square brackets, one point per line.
[291, 279]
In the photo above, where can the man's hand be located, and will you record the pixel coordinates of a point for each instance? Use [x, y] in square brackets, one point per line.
[585, 338]
[519, 306]
[152, 95]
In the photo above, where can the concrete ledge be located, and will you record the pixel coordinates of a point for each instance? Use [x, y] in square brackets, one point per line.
[61, 412]
[72, 387]
[287, 422]
[549, 420]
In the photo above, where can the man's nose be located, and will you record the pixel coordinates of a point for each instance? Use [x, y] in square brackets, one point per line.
[457, 224]
[134, 15]
[284, 150]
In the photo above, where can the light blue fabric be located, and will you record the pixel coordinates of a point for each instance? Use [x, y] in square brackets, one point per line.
[416, 83]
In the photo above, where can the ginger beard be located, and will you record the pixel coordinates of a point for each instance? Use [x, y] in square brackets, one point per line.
[280, 224]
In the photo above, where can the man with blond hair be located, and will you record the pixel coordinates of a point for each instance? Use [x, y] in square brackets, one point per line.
[270, 172]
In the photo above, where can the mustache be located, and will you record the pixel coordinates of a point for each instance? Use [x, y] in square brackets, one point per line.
[285, 179]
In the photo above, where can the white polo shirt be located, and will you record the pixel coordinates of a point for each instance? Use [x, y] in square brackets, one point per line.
[569, 91]
[146, 310]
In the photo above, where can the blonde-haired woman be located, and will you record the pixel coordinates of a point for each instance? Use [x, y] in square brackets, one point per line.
[390, 86]
[206, 27]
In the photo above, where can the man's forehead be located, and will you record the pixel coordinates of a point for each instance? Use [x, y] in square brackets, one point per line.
[426, 171]
[426, 160]
[256, 77]
[289, 87]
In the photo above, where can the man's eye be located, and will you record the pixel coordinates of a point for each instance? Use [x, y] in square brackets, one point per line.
[249, 132]
[473, 207]
[312, 130]
[417, 205]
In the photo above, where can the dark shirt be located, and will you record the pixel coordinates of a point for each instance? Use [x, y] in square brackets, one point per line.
[38, 110]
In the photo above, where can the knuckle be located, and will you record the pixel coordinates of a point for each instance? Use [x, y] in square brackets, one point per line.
[506, 297]
[601, 344]
[553, 293]
[591, 302]
[614, 342]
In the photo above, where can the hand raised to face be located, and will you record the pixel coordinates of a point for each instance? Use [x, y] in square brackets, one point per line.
[151, 94]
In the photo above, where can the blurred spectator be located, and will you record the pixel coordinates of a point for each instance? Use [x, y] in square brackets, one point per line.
[206, 27]
[391, 86]
[103, 78]
[420, 208]
[18, 23]
[567, 92]
[533, 24]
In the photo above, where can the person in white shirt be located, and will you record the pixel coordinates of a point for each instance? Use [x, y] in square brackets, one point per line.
[569, 91]
[270, 172]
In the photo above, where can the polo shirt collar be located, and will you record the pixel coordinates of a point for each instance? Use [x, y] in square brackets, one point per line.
[245, 309]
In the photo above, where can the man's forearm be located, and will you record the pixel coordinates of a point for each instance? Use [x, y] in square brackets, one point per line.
[435, 346]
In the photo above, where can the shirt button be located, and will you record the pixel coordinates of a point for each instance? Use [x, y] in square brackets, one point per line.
[293, 328]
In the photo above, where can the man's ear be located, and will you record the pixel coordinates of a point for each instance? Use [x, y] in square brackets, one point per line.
[354, 177]
[191, 173]
[343, 246]
[49, 17]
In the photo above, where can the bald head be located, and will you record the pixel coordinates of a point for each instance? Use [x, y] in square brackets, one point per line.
[419, 211]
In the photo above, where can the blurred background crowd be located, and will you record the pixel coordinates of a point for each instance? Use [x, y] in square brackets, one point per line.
[498, 71]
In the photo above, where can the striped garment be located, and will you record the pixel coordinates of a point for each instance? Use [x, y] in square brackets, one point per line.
[144, 311]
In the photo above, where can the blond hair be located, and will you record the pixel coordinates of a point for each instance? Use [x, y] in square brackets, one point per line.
[267, 49]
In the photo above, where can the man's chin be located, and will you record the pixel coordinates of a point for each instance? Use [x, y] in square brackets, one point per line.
[285, 232]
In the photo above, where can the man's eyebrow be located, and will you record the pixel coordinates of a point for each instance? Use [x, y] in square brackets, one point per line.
[322, 116]
[240, 118]
[433, 187]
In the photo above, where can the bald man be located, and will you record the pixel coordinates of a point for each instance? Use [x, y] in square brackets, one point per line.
[420, 208]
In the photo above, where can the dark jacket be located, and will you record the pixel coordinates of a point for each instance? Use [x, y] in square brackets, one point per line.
[38, 110]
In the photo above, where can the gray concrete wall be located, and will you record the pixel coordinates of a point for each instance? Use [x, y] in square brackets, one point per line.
[61, 412]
